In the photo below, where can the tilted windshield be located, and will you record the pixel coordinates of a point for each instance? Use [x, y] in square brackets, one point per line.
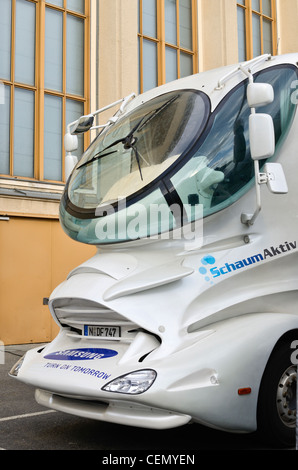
[170, 151]
[137, 149]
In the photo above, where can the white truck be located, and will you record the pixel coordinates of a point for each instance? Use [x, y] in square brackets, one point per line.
[188, 310]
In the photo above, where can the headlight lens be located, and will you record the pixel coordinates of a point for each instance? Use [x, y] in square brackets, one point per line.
[15, 369]
[133, 383]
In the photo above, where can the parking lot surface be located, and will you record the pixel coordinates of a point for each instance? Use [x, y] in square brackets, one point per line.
[25, 425]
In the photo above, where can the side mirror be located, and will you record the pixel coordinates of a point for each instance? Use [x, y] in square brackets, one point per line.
[259, 94]
[70, 163]
[83, 124]
[70, 142]
[70, 145]
[261, 136]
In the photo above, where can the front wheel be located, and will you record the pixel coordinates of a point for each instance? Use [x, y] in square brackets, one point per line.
[276, 413]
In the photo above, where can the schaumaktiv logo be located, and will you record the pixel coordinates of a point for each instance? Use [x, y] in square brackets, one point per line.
[216, 271]
[81, 354]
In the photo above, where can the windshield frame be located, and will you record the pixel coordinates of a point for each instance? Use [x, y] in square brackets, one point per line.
[161, 181]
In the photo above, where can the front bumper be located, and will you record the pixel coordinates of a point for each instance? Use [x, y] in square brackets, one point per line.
[69, 375]
[118, 412]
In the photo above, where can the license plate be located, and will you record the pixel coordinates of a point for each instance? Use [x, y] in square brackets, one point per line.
[104, 331]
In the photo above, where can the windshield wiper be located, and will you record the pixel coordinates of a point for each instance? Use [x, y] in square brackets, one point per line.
[96, 157]
[129, 141]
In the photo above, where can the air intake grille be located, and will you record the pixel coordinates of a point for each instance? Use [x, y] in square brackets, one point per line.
[77, 313]
[76, 309]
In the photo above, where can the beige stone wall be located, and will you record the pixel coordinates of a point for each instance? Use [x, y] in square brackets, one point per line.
[12, 202]
[117, 70]
[115, 31]
[287, 26]
[217, 33]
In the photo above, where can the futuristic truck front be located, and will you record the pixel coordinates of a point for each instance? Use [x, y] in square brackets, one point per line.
[188, 311]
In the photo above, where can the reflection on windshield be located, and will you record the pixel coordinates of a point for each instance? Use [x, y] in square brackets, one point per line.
[138, 148]
[222, 169]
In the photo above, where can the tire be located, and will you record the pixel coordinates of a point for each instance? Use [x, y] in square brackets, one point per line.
[276, 412]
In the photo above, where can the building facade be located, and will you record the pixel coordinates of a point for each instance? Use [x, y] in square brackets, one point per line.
[60, 59]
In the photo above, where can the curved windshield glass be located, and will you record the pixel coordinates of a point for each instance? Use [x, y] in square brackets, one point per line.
[170, 151]
[221, 170]
[137, 149]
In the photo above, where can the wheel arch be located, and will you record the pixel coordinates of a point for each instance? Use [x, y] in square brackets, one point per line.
[286, 337]
[269, 426]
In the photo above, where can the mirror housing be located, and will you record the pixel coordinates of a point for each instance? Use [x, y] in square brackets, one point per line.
[83, 124]
[70, 163]
[70, 143]
[259, 94]
[262, 144]
[261, 136]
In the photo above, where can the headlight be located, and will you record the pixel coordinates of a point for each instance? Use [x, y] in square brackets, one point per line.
[15, 369]
[133, 383]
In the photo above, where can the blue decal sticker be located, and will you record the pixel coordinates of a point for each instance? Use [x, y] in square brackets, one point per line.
[82, 354]
[208, 260]
[217, 271]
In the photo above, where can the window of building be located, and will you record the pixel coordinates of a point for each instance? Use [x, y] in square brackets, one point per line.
[43, 66]
[256, 28]
[168, 44]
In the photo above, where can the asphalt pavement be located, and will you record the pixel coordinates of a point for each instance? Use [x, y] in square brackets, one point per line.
[26, 425]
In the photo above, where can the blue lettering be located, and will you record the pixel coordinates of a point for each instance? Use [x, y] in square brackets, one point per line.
[247, 261]
[257, 258]
[239, 264]
[229, 266]
[222, 270]
[215, 272]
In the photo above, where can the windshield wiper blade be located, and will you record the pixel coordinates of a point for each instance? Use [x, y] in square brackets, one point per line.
[130, 140]
[96, 157]
[127, 141]
[138, 160]
[157, 111]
